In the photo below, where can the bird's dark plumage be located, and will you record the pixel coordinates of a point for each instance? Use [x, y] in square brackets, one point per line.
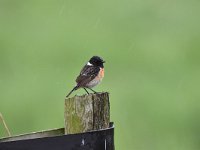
[88, 73]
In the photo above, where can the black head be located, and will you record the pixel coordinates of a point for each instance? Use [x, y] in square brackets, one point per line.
[96, 61]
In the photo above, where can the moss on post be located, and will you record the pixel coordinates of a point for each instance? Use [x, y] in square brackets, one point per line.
[87, 112]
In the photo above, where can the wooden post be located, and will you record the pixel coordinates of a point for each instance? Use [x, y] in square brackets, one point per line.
[87, 113]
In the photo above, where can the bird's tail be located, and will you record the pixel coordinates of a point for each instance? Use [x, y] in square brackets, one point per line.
[75, 88]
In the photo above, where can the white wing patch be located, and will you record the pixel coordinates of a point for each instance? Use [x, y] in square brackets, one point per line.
[89, 64]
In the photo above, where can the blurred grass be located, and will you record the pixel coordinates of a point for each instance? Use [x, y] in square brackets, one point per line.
[152, 70]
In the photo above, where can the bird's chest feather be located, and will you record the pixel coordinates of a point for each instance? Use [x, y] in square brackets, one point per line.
[97, 79]
[101, 73]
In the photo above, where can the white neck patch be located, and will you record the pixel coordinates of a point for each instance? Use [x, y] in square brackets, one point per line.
[89, 64]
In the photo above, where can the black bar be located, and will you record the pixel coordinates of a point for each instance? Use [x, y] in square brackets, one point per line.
[94, 140]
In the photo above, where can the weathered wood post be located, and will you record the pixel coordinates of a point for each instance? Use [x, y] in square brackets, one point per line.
[87, 113]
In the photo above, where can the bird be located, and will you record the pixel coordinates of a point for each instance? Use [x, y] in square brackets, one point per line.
[90, 75]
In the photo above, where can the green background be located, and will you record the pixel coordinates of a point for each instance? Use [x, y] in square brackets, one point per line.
[152, 70]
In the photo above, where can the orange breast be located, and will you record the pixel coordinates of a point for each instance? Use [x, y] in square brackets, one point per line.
[101, 73]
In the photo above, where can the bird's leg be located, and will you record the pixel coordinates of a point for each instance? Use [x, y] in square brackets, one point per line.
[92, 90]
[86, 90]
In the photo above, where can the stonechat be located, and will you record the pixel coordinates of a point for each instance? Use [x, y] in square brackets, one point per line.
[91, 75]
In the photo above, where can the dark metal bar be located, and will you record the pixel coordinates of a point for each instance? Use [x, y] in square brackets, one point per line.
[94, 140]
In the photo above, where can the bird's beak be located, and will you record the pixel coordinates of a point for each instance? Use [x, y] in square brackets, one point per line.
[104, 61]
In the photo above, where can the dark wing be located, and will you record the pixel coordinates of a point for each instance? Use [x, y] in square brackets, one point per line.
[87, 74]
